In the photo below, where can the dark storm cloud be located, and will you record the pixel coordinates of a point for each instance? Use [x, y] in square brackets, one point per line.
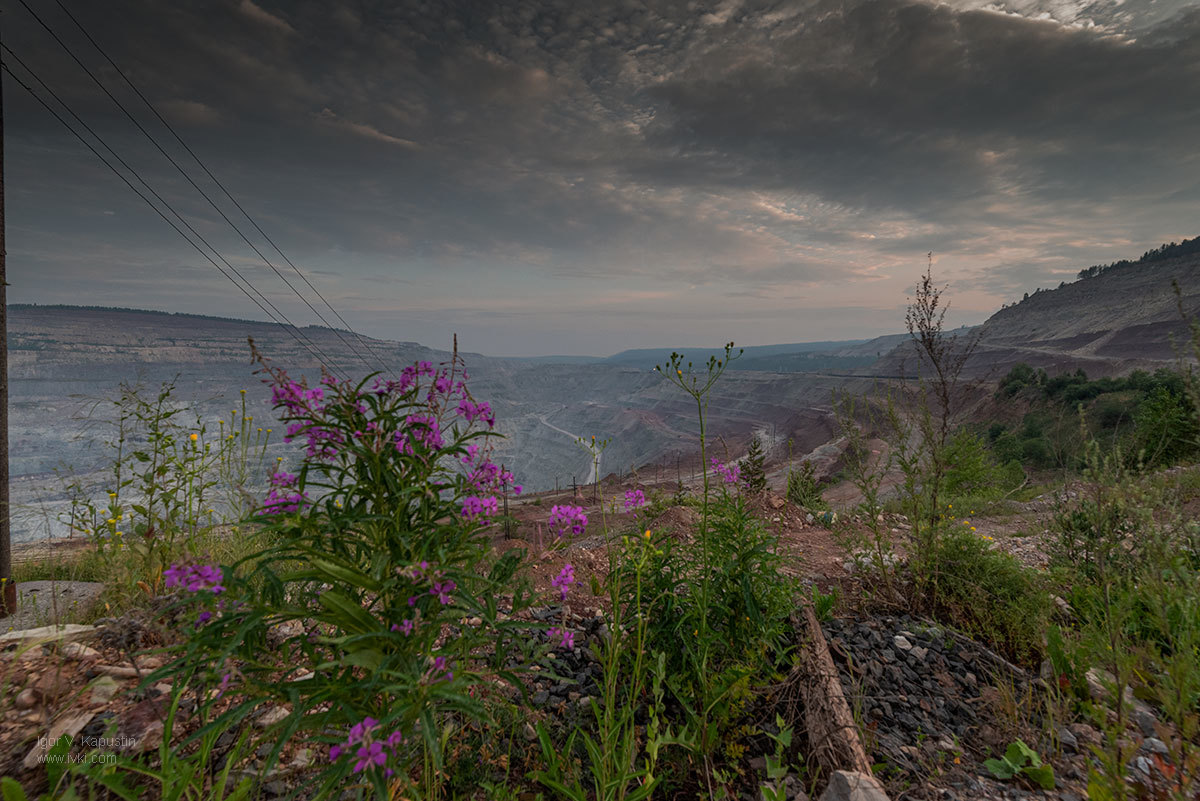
[767, 150]
[902, 104]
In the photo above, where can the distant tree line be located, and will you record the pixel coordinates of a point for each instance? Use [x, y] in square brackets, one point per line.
[1161, 253]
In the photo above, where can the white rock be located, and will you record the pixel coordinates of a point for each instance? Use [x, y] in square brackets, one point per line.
[272, 716]
[847, 785]
[901, 642]
[79, 651]
[103, 689]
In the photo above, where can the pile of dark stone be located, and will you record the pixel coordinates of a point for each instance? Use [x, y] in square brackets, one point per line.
[918, 687]
[569, 677]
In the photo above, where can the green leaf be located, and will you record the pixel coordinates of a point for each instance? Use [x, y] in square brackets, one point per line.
[1042, 775]
[115, 784]
[1000, 768]
[346, 575]
[350, 616]
[11, 791]
[56, 761]
[1019, 754]
[368, 658]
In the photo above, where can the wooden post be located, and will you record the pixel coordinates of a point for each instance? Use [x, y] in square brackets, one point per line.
[8, 593]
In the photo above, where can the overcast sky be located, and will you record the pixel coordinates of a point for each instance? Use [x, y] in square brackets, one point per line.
[583, 177]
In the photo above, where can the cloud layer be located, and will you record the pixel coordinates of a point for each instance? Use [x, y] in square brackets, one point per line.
[564, 177]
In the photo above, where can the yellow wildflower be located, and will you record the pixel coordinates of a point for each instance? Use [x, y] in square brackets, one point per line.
[195, 437]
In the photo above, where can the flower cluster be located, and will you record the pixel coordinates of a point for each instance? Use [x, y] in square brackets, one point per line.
[420, 428]
[195, 578]
[564, 580]
[565, 637]
[634, 499]
[567, 518]
[484, 475]
[730, 473]
[303, 406]
[282, 496]
[474, 507]
[299, 400]
[367, 751]
[472, 411]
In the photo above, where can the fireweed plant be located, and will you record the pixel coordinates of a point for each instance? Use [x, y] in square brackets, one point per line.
[371, 597]
[688, 599]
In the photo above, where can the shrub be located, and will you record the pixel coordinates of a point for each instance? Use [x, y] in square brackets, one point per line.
[1166, 427]
[975, 473]
[167, 475]
[748, 596]
[988, 593]
[804, 490]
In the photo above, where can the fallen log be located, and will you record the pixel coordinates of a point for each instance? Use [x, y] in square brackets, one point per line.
[832, 733]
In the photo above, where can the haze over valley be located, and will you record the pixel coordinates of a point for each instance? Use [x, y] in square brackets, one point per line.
[67, 362]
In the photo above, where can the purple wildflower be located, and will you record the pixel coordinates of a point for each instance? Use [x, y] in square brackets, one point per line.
[634, 499]
[281, 479]
[477, 411]
[567, 518]
[564, 580]
[369, 752]
[730, 473]
[195, 578]
[440, 665]
[442, 590]
[368, 756]
[566, 638]
[473, 507]
[360, 730]
[419, 428]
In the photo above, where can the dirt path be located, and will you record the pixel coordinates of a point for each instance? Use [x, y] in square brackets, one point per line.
[594, 463]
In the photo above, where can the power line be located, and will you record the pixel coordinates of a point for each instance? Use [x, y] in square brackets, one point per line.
[216, 181]
[312, 347]
[183, 172]
[296, 333]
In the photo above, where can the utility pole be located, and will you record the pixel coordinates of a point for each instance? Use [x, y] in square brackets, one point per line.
[8, 593]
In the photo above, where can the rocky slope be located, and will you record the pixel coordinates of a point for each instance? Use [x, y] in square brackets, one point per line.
[1124, 318]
